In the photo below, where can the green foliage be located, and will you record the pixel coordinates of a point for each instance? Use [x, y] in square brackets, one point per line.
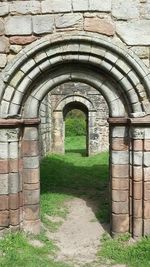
[76, 113]
[75, 123]
[120, 250]
[75, 127]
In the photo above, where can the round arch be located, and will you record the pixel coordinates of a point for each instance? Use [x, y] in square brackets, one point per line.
[59, 112]
[122, 79]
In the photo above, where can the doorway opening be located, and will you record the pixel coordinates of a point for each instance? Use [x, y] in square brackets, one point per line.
[76, 132]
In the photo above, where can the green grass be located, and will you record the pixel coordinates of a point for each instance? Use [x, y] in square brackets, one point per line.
[120, 251]
[76, 145]
[74, 174]
[16, 251]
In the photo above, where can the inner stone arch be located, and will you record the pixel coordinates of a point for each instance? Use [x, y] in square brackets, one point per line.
[87, 99]
[122, 79]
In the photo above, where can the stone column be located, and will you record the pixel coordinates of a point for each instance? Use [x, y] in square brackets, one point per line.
[58, 132]
[10, 183]
[4, 178]
[119, 178]
[93, 136]
[146, 187]
[31, 181]
[136, 181]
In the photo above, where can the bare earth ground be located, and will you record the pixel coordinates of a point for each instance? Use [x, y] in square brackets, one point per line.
[78, 238]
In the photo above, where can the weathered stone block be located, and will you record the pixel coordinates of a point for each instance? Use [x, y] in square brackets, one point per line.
[13, 150]
[18, 25]
[119, 195]
[68, 20]
[138, 145]
[147, 174]
[4, 218]
[125, 10]
[13, 165]
[137, 173]
[22, 40]
[31, 186]
[141, 51]
[147, 209]
[99, 25]
[8, 93]
[31, 162]
[100, 5]
[134, 33]
[147, 145]
[14, 217]
[137, 227]
[145, 10]
[4, 202]
[31, 176]
[147, 133]
[119, 131]
[32, 212]
[30, 148]
[56, 6]
[120, 157]
[120, 171]
[14, 201]
[15, 48]
[3, 60]
[147, 159]
[3, 166]
[137, 190]
[4, 8]
[120, 184]
[120, 223]
[2, 28]
[147, 227]
[137, 208]
[3, 150]
[138, 158]
[4, 184]
[120, 144]
[13, 183]
[147, 190]
[83, 6]
[25, 7]
[4, 44]
[30, 133]
[120, 207]
[43, 24]
[31, 197]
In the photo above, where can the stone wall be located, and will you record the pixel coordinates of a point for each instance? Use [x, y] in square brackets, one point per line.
[125, 22]
[98, 130]
[45, 126]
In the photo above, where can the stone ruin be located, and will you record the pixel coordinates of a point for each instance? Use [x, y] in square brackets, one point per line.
[103, 44]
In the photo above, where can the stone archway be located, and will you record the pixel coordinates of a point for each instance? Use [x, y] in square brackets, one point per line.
[122, 79]
[59, 113]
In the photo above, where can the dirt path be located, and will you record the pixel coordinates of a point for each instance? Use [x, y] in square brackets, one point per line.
[79, 236]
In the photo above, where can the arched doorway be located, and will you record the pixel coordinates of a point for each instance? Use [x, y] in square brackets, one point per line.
[124, 82]
[66, 104]
[76, 130]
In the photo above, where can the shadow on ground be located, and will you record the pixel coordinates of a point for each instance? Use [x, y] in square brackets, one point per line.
[89, 181]
[82, 152]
